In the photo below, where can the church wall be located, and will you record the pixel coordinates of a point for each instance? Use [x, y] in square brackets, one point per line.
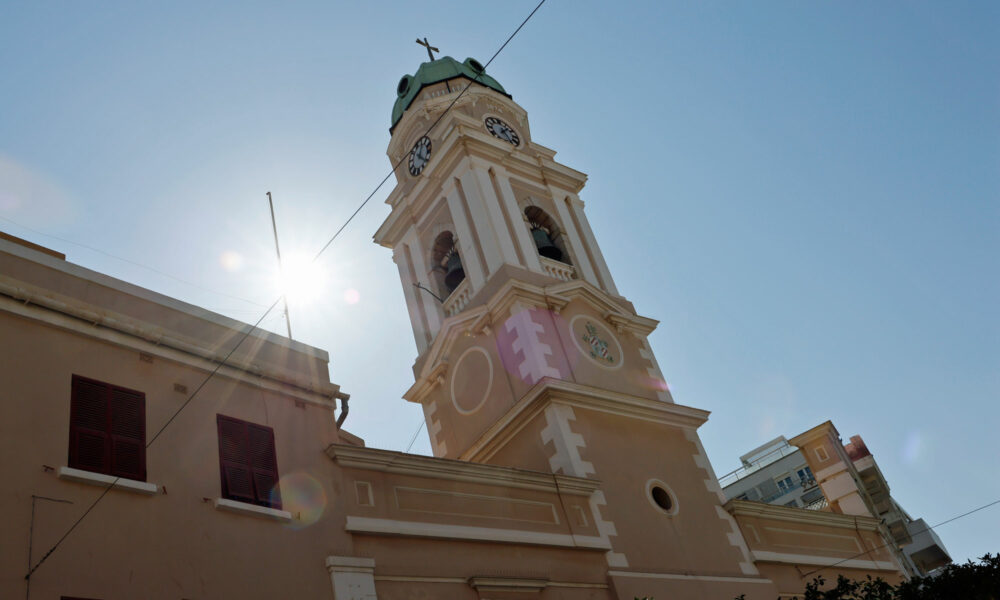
[403, 567]
[174, 543]
[626, 453]
[603, 357]
[398, 497]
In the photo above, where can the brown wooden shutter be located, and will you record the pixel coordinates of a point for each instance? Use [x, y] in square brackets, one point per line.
[248, 464]
[265, 465]
[234, 460]
[89, 443]
[128, 434]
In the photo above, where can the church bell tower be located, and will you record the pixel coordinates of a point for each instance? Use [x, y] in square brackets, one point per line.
[528, 356]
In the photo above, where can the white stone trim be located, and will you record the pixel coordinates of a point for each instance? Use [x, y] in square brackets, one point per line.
[463, 532]
[566, 458]
[102, 480]
[674, 506]
[470, 254]
[576, 241]
[438, 446]
[716, 578]
[521, 234]
[419, 256]
[801, 515]
[414, 465]
[497, 220]
[566, 443]
[352, 577]
[826, 561]
[498, 435]
[485, 231]
[400, 256]
[465, 581]
[526, 340]
[421, 579]
[245, 508]
[735, 536]
[489, 381]
[576, 205]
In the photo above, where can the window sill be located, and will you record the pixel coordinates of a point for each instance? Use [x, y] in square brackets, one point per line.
[100, 479]
[252, 509]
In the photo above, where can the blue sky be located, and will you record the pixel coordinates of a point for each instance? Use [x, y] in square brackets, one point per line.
[804, 194]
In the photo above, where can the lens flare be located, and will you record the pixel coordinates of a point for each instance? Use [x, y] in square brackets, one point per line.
[303, 496]
[302, 280]
[231, 261]
[912, 446]
[352, 296]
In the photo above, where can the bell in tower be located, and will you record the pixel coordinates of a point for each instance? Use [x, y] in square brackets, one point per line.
[543, 241]
[453, 272]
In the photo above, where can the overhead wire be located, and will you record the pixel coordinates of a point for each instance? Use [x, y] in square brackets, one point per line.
[269, 309]
[886, 545]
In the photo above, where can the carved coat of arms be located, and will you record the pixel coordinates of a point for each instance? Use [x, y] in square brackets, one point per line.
[598, 347]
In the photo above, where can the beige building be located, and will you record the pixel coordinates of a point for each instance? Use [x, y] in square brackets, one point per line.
[562, 468]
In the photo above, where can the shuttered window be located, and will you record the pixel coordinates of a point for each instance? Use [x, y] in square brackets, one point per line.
[107, 429]
[248, 464]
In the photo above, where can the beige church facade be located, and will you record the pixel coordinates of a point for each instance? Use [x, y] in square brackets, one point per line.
[562, 467]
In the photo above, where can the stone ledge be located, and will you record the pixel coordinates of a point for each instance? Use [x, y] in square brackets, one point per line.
[273, 514]
[102, 480]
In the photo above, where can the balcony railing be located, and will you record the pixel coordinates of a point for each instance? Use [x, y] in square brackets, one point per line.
[458, 299]
[778, 453]
[558, 269]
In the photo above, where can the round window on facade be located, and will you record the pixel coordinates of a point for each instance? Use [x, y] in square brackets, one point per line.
[661, 497]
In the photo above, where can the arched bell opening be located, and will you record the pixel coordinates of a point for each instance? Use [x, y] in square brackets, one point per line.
[447, 270]
[547, 235]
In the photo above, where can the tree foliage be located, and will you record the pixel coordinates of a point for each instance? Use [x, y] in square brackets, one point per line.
[969, 581]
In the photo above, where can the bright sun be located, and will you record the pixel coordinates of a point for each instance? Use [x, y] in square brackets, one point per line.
[302, 280]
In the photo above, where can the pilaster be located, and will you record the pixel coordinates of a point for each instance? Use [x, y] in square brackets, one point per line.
[467, 249]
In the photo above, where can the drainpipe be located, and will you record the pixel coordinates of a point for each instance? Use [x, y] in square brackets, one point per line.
[344, 409]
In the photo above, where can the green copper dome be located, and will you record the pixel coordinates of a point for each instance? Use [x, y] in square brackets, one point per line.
[435, 71]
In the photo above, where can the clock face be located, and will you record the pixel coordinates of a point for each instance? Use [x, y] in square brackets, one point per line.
[419, 155]
[501, 130]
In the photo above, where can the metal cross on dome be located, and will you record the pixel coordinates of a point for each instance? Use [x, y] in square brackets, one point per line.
[430, 49]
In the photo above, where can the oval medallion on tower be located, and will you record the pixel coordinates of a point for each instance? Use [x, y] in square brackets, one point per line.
[471, 380]
[595, 341]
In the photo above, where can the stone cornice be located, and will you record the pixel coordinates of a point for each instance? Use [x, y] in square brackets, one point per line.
[556, 391]
[372, 459]
[318, 393]
[802, 516]
[824, 429]
[463, 138]
[512, 292]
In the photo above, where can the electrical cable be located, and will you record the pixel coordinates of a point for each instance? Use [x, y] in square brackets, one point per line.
[965, 514]
[254, 327]
[150, 442]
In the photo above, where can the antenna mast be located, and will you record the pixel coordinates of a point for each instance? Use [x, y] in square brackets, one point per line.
[281, 267]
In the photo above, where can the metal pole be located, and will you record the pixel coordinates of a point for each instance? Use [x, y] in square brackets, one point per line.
[281, 268]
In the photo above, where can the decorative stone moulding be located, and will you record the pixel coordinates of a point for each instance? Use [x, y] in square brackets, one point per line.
[668, 506]
[596, 342]
[474, 380]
